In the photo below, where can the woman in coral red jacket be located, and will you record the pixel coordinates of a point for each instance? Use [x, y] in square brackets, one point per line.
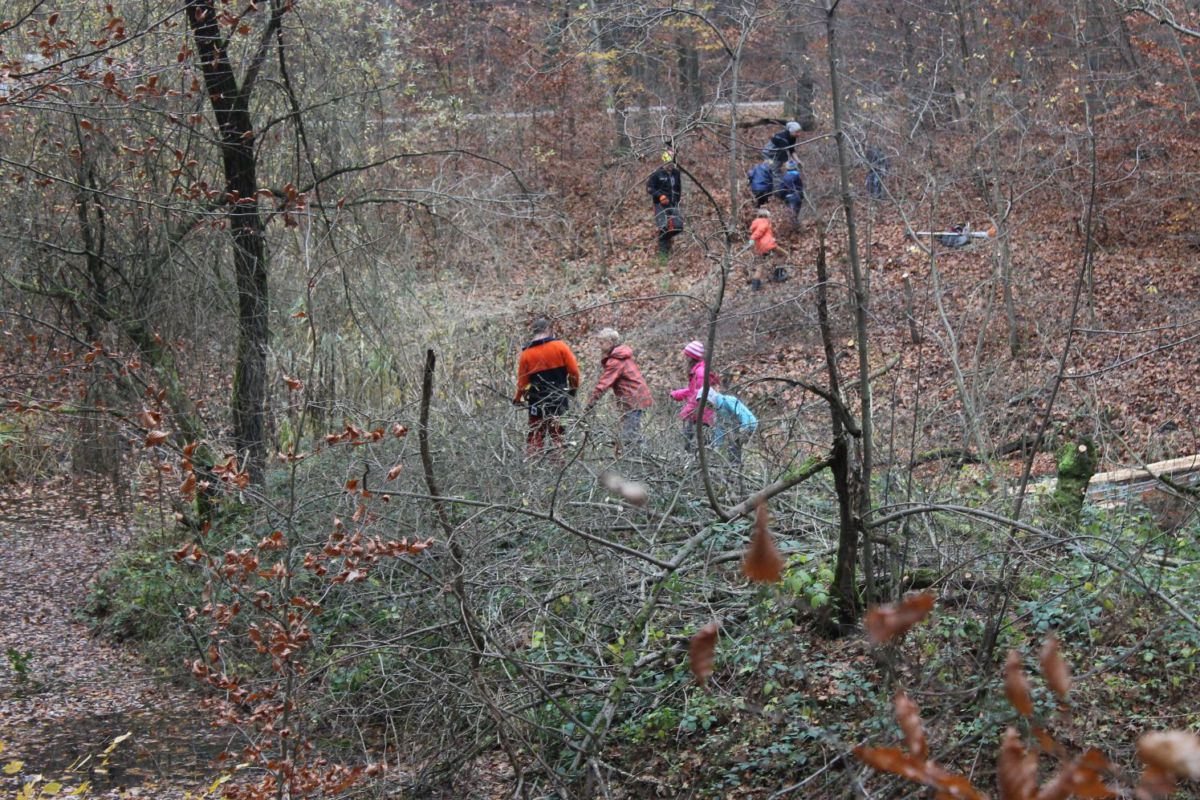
[621, 374]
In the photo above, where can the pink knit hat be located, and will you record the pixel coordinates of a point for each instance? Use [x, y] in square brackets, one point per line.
[694, 350]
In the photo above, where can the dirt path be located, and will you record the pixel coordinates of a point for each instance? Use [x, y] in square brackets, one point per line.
[64, 694]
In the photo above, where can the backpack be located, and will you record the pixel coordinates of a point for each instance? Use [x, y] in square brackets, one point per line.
[762, 179]
[669, 220]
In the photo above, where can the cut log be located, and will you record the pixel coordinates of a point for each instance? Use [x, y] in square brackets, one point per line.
[1172, 466]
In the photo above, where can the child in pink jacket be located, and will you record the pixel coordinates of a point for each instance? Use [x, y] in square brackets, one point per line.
[690, 394]
[763, 236]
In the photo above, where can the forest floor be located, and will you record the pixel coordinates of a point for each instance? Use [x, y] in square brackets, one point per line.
[1128, 375]
[67, 695]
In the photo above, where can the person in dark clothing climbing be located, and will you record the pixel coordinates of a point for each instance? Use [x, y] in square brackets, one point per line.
[782, 145]
[665, 189]
[792, 189]
[762, 182]
[877, 170]
[547, 378]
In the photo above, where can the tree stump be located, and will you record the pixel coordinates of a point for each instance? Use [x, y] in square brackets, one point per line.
[1076, 462]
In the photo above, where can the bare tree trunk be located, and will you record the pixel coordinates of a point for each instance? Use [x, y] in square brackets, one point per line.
[799, 92]
[727, 257]
[1010, 303]
[1108, 32]
[691, 91]
[96, 449]
[1187, 68]
[861, 298]
[600, 43]
[231, 106]
[987, 175]
[914, 334]
[844, 590]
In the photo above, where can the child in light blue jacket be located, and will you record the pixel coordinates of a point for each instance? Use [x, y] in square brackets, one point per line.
[735, 424]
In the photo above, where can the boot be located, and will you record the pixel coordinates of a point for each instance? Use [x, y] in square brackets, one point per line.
[664, 247]
[780, 275]
[755, 284]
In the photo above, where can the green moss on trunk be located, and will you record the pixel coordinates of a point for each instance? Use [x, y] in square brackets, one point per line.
[1076, 461]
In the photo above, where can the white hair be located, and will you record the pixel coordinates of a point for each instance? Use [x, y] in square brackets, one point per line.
[609, 335]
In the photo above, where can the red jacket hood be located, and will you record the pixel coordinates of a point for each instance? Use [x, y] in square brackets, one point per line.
[620, 351]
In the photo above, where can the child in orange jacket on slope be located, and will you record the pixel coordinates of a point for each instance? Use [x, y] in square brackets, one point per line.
[763, 236]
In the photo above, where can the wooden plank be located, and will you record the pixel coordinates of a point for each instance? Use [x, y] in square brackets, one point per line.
[1170, 467]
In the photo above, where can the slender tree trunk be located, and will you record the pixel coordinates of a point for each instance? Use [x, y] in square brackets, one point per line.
[914, 333]
[1010, 303]
[99, 440]
[600, 43]
[844, 590]
[861, 301]
[1187, 69]
[230, 104]
[691, 91]
[96, 449]
[250, 372]
[800, 89]
[987, 176]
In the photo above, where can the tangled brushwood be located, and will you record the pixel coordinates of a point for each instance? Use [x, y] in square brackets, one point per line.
[1167, 756]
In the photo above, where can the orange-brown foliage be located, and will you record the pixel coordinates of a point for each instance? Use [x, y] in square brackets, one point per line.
[1055, 669]
[762, 562]
[888, 621]
[701, 650]
[1016, 685]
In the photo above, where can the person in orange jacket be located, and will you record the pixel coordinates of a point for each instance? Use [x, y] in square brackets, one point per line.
[763, 236]
[547, 379]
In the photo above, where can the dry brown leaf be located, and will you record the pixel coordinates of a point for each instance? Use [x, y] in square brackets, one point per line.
[762, 562]
[293, 383]
[155, 438]
[701, 652]
[1016, 685]
[888, 621]
[149, 419]
[1155, 782]
[909, 717]
[954, 787]
[1055, 669]
[897, 762]
[1176, 752]
[893, 760]
[632, 492]
[1048, 743]
[635, 493]
[394, 471]
[1016, 769]
[1081, 778]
